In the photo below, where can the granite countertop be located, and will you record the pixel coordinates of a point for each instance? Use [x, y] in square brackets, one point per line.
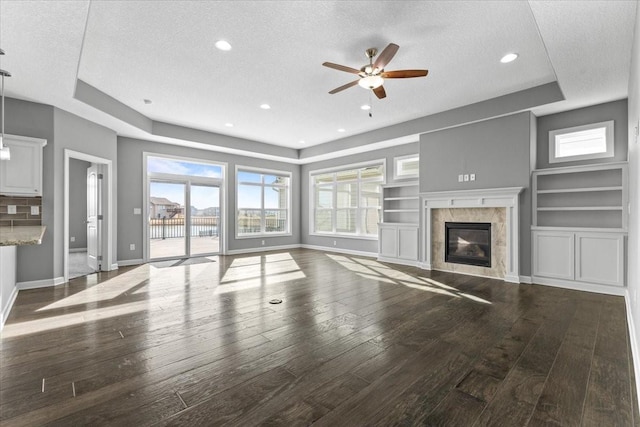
[21, 235]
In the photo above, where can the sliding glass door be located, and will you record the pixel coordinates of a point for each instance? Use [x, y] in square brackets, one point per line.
[184, 208]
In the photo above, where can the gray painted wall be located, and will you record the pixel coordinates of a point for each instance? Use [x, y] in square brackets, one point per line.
[616, 111]
[343, 243]
[36, 120]
[78, 203]
[498, 151]
[77, 134]
[61, 130]
[130, 173]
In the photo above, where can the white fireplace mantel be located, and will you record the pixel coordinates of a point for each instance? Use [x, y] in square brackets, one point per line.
[483, 198]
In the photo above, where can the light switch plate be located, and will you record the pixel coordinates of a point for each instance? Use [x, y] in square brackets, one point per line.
[460, 178]
[11, 210]
[35, 210]
[466, 177]
[137, 211]
[472, 177]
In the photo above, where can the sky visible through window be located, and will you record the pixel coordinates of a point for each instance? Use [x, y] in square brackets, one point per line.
[201, 198]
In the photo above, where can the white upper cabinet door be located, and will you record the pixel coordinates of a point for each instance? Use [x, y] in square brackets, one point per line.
[22, 174]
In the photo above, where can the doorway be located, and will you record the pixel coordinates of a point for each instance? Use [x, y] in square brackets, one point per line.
[184, 208]
[87, 215]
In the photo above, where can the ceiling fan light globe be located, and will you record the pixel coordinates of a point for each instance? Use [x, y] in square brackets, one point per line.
[371, 82]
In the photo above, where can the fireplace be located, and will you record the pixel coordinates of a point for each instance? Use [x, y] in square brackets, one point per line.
[468, 243]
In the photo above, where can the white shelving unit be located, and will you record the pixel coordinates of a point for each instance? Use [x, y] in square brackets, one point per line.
[580, 217]
[399, 229]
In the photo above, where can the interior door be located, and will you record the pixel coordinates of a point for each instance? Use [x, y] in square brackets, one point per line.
[93, 210]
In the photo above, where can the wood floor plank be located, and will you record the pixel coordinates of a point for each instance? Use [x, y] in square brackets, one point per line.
[355, 342]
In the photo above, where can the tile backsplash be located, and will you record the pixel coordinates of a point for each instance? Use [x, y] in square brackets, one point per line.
[23, 211]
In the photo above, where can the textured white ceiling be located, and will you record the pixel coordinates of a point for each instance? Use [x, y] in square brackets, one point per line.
[163, 51]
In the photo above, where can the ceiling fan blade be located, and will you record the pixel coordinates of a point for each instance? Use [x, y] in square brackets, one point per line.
[385, 56]
[343, 87]
[341, 67]
[403, 74]
[380, 93]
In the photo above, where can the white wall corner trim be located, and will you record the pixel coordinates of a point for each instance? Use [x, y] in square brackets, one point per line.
[526, 280]
[507, 197]
[635, 351]
[7, 307]
[45, 283]
[340, 251]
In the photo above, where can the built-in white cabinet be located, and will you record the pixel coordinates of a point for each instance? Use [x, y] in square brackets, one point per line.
[22, 174]
[399, 231]
[579, 226]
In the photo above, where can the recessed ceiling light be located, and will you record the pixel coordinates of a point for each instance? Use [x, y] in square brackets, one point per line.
[509, 57]
[301, 141]
[366, 107]
[229, 125]
[341, 130]
[147, 101]
[265, 106]
[223, 45]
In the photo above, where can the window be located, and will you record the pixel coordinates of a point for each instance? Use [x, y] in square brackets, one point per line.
[347, 202]
[406, 166]
[263, 202]
[593, 141]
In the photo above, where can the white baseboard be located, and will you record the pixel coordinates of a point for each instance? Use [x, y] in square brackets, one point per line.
[113, 267]
[128, 262]
[262, 249]
[578, 286]
[425, 265]
[74, 250]
[635, 351]
[4, 311]
[341, 251]
[526, 280]
[45, 283]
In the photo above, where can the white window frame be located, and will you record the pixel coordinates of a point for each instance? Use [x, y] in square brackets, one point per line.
[608, 125]
[334, 170]
[262, 185]
[396, 167]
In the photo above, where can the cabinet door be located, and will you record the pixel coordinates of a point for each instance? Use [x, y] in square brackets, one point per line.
[553, 254]
[408, 243]
[600, 258]
[22, 175]
[388, 242]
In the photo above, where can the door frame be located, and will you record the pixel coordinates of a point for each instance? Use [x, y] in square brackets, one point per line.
[222, 184]
[106, 246]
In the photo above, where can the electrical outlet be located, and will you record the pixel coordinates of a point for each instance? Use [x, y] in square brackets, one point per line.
[466, 177]
[263, 243]
[137, 211]
[472, 177]
[11, 210]
[73, 239]
[460, 178]
[35, 210]
[132, 247]
[335, 243]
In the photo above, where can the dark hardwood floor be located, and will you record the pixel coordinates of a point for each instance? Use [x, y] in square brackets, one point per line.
[354, 342]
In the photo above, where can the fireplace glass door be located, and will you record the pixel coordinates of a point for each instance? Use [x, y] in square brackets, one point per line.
[468, 243]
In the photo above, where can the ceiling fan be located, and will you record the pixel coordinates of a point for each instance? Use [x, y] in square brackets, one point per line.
[372, 75]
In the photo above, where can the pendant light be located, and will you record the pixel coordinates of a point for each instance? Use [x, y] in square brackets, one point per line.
[5, 154]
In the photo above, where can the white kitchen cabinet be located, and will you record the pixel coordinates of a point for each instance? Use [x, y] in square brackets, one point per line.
[22, 174]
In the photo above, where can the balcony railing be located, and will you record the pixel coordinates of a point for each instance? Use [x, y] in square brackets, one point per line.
[166, 228]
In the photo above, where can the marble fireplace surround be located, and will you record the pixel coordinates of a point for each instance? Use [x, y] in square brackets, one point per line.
[507, 198]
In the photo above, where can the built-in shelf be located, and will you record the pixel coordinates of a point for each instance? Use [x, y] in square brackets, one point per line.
[592, 196]
[401, 198]
[399, 229]
[401, 210]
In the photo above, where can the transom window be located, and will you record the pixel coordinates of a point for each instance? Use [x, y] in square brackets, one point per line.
[593, 141]
[263, 202]
[406, 166]
[347, 201]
